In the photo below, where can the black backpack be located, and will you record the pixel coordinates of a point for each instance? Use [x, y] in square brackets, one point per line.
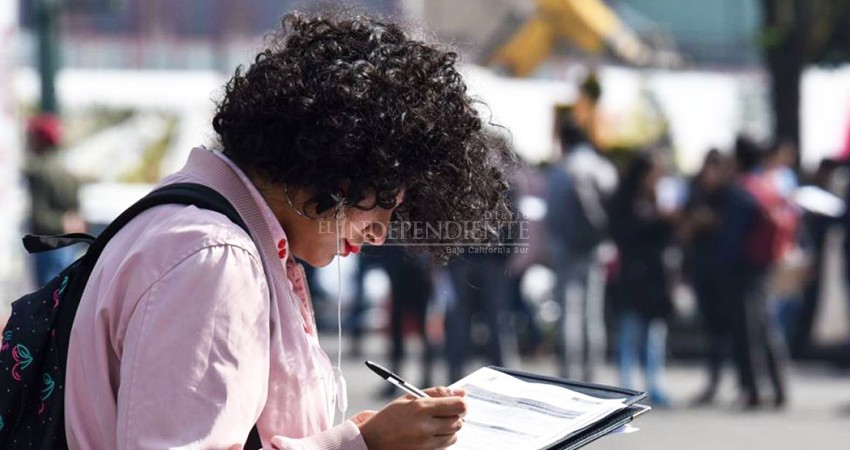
[34, 349]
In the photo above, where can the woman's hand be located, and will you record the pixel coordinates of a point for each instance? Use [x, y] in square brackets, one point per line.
[410, 423]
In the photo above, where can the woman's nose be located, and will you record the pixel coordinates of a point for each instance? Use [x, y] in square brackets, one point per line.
[376, 234]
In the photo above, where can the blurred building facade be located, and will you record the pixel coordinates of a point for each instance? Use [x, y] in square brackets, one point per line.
[212, 34]
[162, 34]
[708, 32]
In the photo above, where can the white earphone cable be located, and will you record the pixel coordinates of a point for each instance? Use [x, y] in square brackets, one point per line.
[342, 391]
[338, 298]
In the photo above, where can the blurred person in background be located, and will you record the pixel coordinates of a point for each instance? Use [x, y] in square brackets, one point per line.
[845, 225]
[700, 232]
[787, 275]
[642, 232]
[581, 183]
[54, 196]
[480, 285]
[815, 225]
[584, 110]
[529, 186]
[368, 259]
[411, 289]
[758, 228]
[338, 126]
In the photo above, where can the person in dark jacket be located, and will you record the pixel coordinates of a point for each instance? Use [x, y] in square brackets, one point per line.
[581, 183]
[480, 284]
[816, 225]
[700, 230]
[411, 288]
[642, 234]
[368, 259]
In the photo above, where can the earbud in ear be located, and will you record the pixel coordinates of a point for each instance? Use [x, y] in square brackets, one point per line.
[340, 211]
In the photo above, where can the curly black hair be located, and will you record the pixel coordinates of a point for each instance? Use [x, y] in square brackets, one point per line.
[356, 102]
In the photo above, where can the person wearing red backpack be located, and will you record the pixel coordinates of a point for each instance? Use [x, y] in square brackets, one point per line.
[758, 228]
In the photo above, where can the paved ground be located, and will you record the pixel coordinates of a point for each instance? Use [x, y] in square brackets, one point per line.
[811, 421]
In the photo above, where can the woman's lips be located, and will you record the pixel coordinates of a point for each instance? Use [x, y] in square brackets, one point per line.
[349, 248]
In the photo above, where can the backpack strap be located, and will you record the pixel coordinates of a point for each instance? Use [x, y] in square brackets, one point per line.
[180, 194]
[37, 244]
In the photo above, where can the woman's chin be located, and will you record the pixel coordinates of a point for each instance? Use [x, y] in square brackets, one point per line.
[320, 261]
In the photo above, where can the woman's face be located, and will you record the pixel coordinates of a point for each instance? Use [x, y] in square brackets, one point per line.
[318, 238]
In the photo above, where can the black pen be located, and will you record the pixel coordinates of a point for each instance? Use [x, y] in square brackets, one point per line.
[396, 380]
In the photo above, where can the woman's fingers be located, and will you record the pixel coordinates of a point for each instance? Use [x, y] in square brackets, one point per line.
[414, 423]
[437, 406]
[444, 406]
[444, 418]
[442, 391]
[447, 426]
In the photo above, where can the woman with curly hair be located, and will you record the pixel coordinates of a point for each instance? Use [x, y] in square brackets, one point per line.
[191, 331]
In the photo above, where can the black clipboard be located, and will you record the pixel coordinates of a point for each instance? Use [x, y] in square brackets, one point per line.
[600, 428]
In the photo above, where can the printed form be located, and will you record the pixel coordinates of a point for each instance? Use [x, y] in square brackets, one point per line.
[504, 412]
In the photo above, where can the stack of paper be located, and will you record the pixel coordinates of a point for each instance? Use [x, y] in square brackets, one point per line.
[507, 412]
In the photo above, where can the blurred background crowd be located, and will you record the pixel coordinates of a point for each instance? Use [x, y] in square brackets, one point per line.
[682, 174]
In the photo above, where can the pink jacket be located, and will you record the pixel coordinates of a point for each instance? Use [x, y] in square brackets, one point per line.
[176, 343]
